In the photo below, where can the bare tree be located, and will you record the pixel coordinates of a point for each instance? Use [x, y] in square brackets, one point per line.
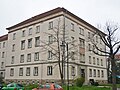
[54, 45]
[112, 47]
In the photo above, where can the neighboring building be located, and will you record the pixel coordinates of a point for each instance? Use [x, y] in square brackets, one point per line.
[26, 63]
[3, 54]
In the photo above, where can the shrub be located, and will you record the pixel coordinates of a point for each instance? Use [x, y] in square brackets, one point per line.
[79, 81]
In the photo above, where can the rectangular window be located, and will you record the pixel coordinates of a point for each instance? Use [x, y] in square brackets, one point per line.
[50, 39]
[101, 62]
[88, 35]
[30, 31]
[51, 25]
[82, 58]
[30, 43]
[96, 39]
[35, 71]
[37, 41]
[73, 71]
[14, 36]
[23, 33]
[11, 72]
[81, 31]
[102, 73]
[82, 43]
[3, 44]
[2, 65]
[49, 55]
[98, 73]
[21, 58]
[97, 61]
[72, 26]
[73, 55]
[29, 57]
[21, 72]
[90, 60]
[3, 54]
[36, 56]
[37, 29]
[23, 45]
[94, 61]
[94, 73]
[72, 40]
[13, 47]
[89, 47]
[49, 70]
[90, 72]
[28, 71]
[12, 60]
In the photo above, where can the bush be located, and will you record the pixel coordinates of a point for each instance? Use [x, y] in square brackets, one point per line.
[79, 81]
[96, 84]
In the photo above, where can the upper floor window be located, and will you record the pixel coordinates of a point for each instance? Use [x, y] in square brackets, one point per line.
[88, 35]
[21, 72]
[23, 33]
[3, 54]
[96, 39]
[3, 44]
[49, 70]
[51, 25]
[81, 31]
[35, 71]
[94, 61]
[82, 43]
[30, 43]
[36, 56]
[2, 65]
[28, 71]
[37, 41]
[101, 62]
[29, 57]
[73, 40]
[22, 58]
[12, 72]
[14, 36]
[82, 58]
[37, 29]
[89, 47]
[72, 26]
[13, 47]
[49, 55]
[12, 59]
[73, 55]
[23, 45]
[30, 31]
[50, 39]
[97, 61]
[90, 60]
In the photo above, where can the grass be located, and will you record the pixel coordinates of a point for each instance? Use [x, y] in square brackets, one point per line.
[86, 88]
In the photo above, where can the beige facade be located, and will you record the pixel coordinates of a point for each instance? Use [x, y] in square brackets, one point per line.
[32, 42]
[3, 54]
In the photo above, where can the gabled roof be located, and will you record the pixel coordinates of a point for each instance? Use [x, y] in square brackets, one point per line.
[4, 37]
[48, 13]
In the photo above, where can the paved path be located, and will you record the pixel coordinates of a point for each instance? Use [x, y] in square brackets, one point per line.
[118, 88]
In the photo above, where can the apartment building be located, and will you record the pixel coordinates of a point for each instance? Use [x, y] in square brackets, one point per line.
[3, 54]
[31, 44]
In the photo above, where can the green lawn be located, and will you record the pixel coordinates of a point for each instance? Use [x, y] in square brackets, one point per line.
[87, 88]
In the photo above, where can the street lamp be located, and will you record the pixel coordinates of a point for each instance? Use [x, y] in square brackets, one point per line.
[63, 61]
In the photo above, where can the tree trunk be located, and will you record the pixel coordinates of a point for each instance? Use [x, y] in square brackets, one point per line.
[114, 86]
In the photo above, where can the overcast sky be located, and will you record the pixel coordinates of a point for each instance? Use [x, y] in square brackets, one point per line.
[93, 11]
